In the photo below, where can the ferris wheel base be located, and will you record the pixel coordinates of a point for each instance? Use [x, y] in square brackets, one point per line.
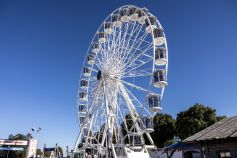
[136, 153]
[147, 151]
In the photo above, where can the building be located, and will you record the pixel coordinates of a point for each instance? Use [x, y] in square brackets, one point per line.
[218, 140]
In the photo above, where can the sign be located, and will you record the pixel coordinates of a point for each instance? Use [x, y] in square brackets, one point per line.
[13, 142]
[49, 149]
[11, 148]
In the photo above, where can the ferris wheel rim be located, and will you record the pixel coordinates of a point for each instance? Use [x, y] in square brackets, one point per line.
[154, 46]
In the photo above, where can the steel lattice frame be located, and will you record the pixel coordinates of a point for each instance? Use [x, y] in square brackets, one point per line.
[126, 64]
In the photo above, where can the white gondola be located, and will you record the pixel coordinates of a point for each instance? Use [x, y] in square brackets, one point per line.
[150, 23]
[141, 16]
[124, 13]
[90, 59]
[160, 56]
[108, 27]
[95, 47]
[83, 96]
[86, 71]
[147, 124]
[82, 110]
[160, 79]
[133, 15]
[102, 37]
[154, 102]
[159, 38]
[84, 83]
[116, 20]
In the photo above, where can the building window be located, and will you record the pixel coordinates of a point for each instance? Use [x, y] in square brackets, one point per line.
[224, 154]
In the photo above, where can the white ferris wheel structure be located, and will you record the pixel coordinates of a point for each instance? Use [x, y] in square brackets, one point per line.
[122, 84]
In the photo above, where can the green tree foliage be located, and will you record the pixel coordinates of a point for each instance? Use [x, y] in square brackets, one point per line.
[20, 136]
[39, 152]
[47, 154]
[60, 150]
[164, 129]
[194, 119]
[218, 118]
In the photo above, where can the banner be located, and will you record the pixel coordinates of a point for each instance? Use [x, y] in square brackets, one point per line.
[49, 149]
[11, 148]
[13, 142]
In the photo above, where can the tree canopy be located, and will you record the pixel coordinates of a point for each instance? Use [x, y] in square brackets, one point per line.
[164, 129]
[194, 119]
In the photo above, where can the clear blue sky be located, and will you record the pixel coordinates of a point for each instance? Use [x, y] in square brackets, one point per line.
[43, 44]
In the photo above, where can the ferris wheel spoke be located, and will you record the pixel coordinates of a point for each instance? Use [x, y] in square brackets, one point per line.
[137, 73]
[137, 100]
[129, 48]
[133, 32]
[139, 41]
[130, 106]
[127, 34]
[124, 121]
[124, 38]
[99, 122]
[136, 66]
[135, 86]
[135, 58]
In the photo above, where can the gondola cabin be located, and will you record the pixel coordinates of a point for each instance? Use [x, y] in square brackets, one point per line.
[150, 23]
[91, 59]
[159, 38]
[86, 71]
[82, 110]
[95, 47]
[116, 20]
[147, 124]
[83, 96]
[160, 79]
[160, 56]
[101, 37]
[141, 16]
[154, 102]
[84, 83]
[133, 15]
[124, 12]
[108, 27]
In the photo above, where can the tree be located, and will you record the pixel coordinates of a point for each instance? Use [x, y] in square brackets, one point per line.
[39, 152]
[194, 119]
[60, 150]
[218, 118]
[20, 136]
[164, 129]
[47, 154]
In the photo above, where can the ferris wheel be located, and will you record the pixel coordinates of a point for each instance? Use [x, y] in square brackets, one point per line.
[122, 83]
